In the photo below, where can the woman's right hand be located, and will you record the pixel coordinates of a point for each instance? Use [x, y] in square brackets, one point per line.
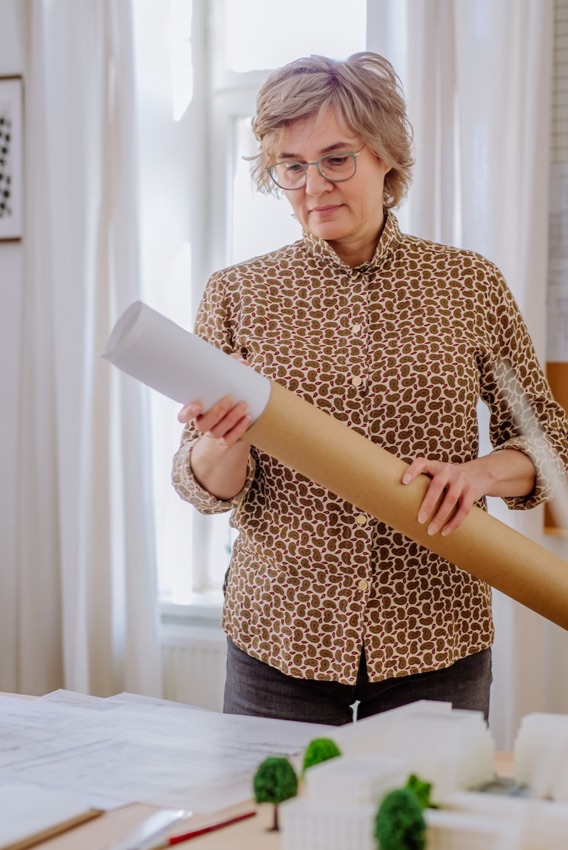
[219, 459]
[226, 421]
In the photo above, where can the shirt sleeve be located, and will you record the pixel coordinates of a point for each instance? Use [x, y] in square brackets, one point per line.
[212, 324]
[523, 412]
[188, 488]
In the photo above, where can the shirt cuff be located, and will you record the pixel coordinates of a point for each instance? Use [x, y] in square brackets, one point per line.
[189, 489]
[549, 472]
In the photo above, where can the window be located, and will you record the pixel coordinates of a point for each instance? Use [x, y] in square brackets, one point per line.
[199, 68]
[261, 34]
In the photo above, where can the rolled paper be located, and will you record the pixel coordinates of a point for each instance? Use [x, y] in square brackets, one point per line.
[153, 349]
[336, 457]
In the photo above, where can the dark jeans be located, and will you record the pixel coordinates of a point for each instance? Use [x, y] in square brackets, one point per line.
[254, 688]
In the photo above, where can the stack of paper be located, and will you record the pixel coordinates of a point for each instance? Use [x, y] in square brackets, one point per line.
[125, 749]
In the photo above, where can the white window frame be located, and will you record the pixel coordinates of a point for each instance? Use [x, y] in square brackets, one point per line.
[232, 96]
[222, 97]
[229, 96]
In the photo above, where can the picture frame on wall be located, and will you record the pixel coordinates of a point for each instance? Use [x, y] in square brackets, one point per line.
[11, 158]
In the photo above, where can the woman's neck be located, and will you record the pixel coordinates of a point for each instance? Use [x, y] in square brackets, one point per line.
[355, 252]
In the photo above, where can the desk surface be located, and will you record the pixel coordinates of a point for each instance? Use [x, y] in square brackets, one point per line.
[103, 832]
[251, 834]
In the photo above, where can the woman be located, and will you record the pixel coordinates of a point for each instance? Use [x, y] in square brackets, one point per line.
[398, 338]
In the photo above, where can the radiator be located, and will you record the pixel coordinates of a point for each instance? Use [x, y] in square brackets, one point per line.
[193, 663]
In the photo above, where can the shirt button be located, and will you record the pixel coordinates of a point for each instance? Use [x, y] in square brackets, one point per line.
[356, 380]
[356, 329]
[362, 585]
[361, 519]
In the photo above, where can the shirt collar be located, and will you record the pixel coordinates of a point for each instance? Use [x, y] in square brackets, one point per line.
[390, 237]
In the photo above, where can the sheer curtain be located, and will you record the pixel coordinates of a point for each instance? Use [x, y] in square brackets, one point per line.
[477, 75]
[86, 593]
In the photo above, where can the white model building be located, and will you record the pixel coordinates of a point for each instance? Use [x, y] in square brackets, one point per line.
[538, 733]
[451, 749]
[352, 780]
[534, 824]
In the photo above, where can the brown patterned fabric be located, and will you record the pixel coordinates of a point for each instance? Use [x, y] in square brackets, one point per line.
[400, 349]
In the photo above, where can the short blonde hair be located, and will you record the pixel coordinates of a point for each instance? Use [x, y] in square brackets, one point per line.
[365, 93]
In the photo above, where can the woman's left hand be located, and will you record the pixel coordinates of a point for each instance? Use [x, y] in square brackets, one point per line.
[454, 489]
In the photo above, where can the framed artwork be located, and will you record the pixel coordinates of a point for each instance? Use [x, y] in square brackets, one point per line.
[11, 158]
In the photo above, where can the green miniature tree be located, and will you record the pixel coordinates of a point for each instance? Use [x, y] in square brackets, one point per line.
[275, 781]
[399, 823]
[318, 750]
[422, 790]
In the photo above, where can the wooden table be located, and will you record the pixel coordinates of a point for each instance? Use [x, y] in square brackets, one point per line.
[101, 833]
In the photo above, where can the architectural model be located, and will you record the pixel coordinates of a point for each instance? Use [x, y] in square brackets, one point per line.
[453, 750]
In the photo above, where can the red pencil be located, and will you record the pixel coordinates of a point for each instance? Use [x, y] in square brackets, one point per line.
[201, 830]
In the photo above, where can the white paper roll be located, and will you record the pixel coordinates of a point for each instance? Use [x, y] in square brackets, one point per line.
[154, 350]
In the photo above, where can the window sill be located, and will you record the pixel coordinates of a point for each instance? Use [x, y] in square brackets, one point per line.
[202, 609]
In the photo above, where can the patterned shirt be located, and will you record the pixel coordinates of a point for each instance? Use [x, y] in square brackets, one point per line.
[401, 349]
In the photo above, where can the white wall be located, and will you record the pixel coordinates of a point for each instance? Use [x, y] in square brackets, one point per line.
[11, 292]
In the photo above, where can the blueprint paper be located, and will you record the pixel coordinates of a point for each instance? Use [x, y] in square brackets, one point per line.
[137, 750]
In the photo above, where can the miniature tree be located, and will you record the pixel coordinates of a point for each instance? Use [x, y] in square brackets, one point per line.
[399, 823]
[318, 750]
[275, 781]
[422, 790]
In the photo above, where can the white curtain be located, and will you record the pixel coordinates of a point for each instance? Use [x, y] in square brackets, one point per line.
[477, 76]
[86, 596]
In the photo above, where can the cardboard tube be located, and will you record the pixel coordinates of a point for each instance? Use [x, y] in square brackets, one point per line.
[166, 357]
[334, 456]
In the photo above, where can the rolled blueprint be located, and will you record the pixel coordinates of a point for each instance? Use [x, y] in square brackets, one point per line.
[304, 438]
[150, 347]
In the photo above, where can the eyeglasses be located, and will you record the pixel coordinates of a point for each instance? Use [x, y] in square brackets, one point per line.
[335, 167]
